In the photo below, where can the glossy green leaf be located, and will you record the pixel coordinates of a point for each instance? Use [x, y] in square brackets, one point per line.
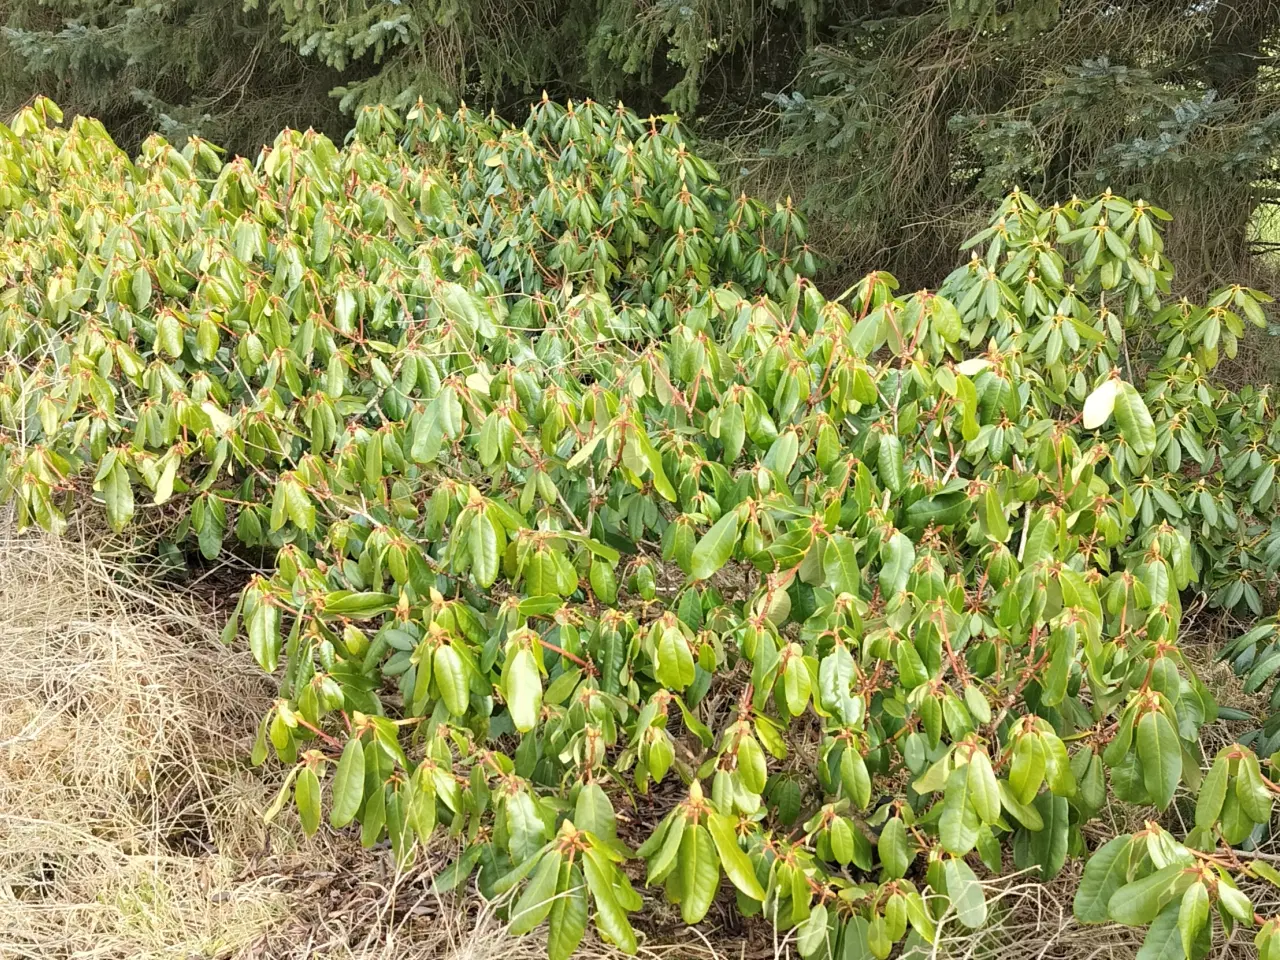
[1161, 756]
[737, 866]
[611, 919]
[716, 546]
[1137, 903]
[451, 678]
[348, 784]
[539, 894]
[700, 873]
[1104, 873]
[1134, 421]
[895, 850]
[567, 919]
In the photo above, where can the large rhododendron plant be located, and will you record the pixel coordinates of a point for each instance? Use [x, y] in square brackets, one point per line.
[574, 487]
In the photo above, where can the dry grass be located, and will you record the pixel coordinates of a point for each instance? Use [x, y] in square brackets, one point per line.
[125, 813]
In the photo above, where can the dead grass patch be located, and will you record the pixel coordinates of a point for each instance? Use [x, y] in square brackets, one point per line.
[125, 809]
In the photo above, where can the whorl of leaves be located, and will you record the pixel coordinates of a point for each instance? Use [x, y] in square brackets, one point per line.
[577, 488]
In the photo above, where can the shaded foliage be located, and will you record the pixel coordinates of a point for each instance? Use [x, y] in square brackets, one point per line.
[906, 123]
[894, 120]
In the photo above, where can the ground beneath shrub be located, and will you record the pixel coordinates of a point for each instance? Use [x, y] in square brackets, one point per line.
[131, 824]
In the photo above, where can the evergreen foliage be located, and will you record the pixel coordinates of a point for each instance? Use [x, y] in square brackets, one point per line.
[576, 487]
[208, 68]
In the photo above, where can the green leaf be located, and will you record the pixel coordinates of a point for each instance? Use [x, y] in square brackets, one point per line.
[594, 813]
[1027, 771]
[797, 684]
[524, 691]
[1263, 869]
[451, 678]
[752, 767]
[1105, 873]
[1163, 940]
[716, 546]
[977, 704]
[1049, 845]
[1024, 813]
[812, 934]
[699, 873]
[117, 494]
[264, 635]
[348, 785]
[958, 827]
[568, 917]
[1137, 903]
[374, 818]
[539, 894]
[895, 853]
[1161, 754]
[854, 778]
[732, 431]
[990, 850]
[737, 866]
[484, 550]
[603, 583]
[984, 791]
[300, 509]
[856, 939]
[306, 793]
[897, 557]
[1234, 903]
[840, 837]
[1253, 796]
[526, 828]
[141, 285]
[889, 463]
[840, 565]
[1192, 914]
[965, 893]
[358, 606]
[1134, 421]
[611, 919]
[675, 661]
[663, 860]
[1213, 791]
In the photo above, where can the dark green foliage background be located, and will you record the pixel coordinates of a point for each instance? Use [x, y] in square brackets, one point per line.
[894, 120]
